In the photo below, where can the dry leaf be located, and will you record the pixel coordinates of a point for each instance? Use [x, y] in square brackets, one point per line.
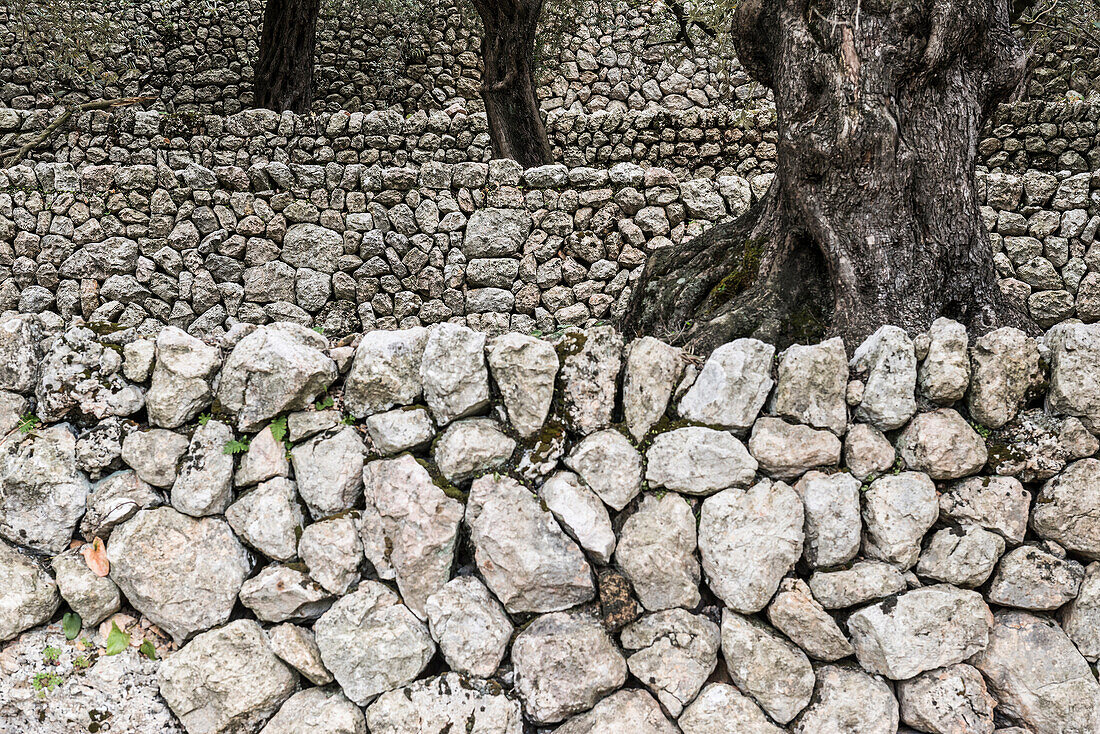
[95, 555]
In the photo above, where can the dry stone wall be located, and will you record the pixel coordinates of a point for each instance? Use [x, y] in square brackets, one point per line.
[428, 529]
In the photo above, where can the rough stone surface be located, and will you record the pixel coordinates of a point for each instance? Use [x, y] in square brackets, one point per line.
[329, 470]
[590, 365]
[93, 597]
[30, 596]
[445, 704]
[1006, 366]
[453, 372]
[154, 455]
[1081, 617]
[182, 379]
[672, 653]
[799, 616]
[385, 372]
[850, 701]
[471, 447]
[942, 445]
[333, 552]
[204, 484]
[269, 519]
[999, 504]
[699, 461]
[610, 465]
[656, 551]
[281, 593]
[524, 369]
[864, 581]
[1074, 383]
[945, 372]
[964, 556]
[627, 710]
[297, 647]
[580, 513]
[653, 370]
[721, 707]
[775, 673]
[787, 451]
[732, 387]
[1065, 509]
[317, 711]
[898, 509]
[889, 362]
[811, 383]
[867, 453]
[1032, 578]
[469, 625]
[832, 518]
[948, 699]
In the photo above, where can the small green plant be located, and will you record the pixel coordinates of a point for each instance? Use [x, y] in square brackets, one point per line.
[71, 624]
[324, 402]
[204, 419]
[117, 640]
[319, 329]
[28, 422]
[236, 446]
[82, 662]
[51, 655]
[348, 419]
[46, 682]
[148, 650]
[278, 429]
[981, 430]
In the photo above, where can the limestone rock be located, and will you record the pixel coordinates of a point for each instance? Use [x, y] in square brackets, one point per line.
[317, 711]
[264, 460]
[333, 552]
[610, 465]
[922, 629]
[832, 517]
[1065, 509]
[942, 445]
[523, 554]
[329, 470]
[297, 647]
[1081, 617]
[204, 484]
[945, 372]
[732, 388]
[811, 383]
[469, 625]
[269, 519]
[385, 372]
[444, 704]
[1032, 578]
[656, 551]
[115, 499]
[1006, 367]
[524, 369]
[888, 360]
[155, 455]
[471, 447]
[775, 673]
[591, 360]
[867, 453]
[672, 653]
[278, 368]
[581, 513]
[400, 430]
[999, 504]
[30, 596]
[699, 461]
[1074, 382]
[456, 382]
[947, 700]
[409, 528]
[182, 377]
[559, 642]
[93, 597]
[20, 352]
[280, 594]
[799, 616]
[653, 370]
[864, 581]
[898, 509]
[226, 680]
[850, 701]
[372, 643]
[624, 711]
[78, 375]
[787, 451]
[748, 541]
[720, 708]
[42, 493]
[963, 556]
[180, 572]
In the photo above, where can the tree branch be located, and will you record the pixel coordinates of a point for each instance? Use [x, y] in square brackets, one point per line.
[14, 156]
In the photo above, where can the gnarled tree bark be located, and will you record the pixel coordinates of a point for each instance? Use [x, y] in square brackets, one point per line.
[508, 80]
[283, 74]
[873, 214]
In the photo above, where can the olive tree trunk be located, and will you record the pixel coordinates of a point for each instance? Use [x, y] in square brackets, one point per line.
[284, 67]
[508, 80]
[872, 217]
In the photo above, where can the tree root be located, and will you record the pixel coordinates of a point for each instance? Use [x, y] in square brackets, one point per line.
[15, 156]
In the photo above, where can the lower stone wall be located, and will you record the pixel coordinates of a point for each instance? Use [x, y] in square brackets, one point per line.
[428, 529]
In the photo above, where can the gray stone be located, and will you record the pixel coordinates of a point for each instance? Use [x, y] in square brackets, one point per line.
[942, 445]
[699, 461]
[1032, 578]
[951, 699]
[269, 518]
[30, 596]
[720, 708]
[138, 358]
[471, 447]
[610, 465]
[43, 493]
[456, 382]
[280, 594]
[182, 379]
[307, 245]
[385, 372]
[889, 362]
[811, 383]
[372, 643]
[1037, 676]
[317, 711]
[1074, 382]
[154, 455]
[329, 470]
[656, 551]
[748, 541]
[963, 556]
[787, 451]
[591, 360]
[444, 704]
[1006, 367]
[833, 525]
[78, 374]
[672, 653]
[297, 647]
[864, 581]
[204, 483]
[799, 616]
[732, 388]
[581, 513]
[226, 680]
[1081, 617]
[623, 711]
[922, 629]
[93, 597]
[999, 504]
[409, 528]
[1065, 509]
[180, 572]
[850, 701]
[775, 673]
[20, 352]
[265, 459]
[559, 642]
[898, 509]
[115, 499]
[524, 369]
[332, 552]
[867, 453]
[653, 370]
[469, 625]
[945, 372]
[400, 430]
[496, 233]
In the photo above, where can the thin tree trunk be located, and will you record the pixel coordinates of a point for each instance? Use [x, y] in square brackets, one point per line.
[284, 66]
[873, 214]
[508, 81]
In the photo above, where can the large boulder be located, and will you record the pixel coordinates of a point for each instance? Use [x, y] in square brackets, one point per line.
[811, 383]
[182, 573]
[276, 369]
[29, 597]
[888, 362]
[942, 445]
[42, 493]
[1075, 372]
[698, 460]
[226, 681]
[182, 385]
[453, 372]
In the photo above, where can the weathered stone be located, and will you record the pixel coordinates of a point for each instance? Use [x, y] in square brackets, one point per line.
[385, 372]
[332, 551]
[470, 447]
[564, 642]
[581, 513]
[20, 352]
[699, 461]
[297, 647]
[93, 597]
[317, 711]
[494, 232]
[523, 554]
[867, 453]
[672, 653]
[889, 362]
[307, 245]
[850, 701]
[226, 680]
[115, 499]
[78, 375]
[922, 629]
[951, 699]
[732, 388]
[1065, 509]
[1037, 676]
[653, 370]
[775, 673]
[280, 594]
[799, 616]
[524, 369]
[1031, 578]
[396, 431]
[409, 528]
[278, 368]
[1081, 617]
[591, 360]
[656, 551]
[329, 470]
[469, 625]
[155, 455]
[269, 519]
[372, 643]
[811, 383]
[721, 708]
[963, 556]
[748, 541]
[182, 378]
[864, 581]
[444, 704]
[264, 460]
[180, 572]
[42, 493]
[942, 445]
[898, 509]
[999, 504]
[1074, 382]
[945, 372]
[832, 520]
[1006, 367]
[204, 483]
[610, 465]
[29, 596]
[625, 711]
[453, 372]
[787, 451]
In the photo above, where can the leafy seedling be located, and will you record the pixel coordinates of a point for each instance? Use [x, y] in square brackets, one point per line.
[236, 446]
[117, 640]
[71, 624]
[148, 650]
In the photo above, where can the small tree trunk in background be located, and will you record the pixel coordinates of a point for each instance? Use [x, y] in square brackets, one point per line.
[284, 66]
[508, 81]
[873, 214]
